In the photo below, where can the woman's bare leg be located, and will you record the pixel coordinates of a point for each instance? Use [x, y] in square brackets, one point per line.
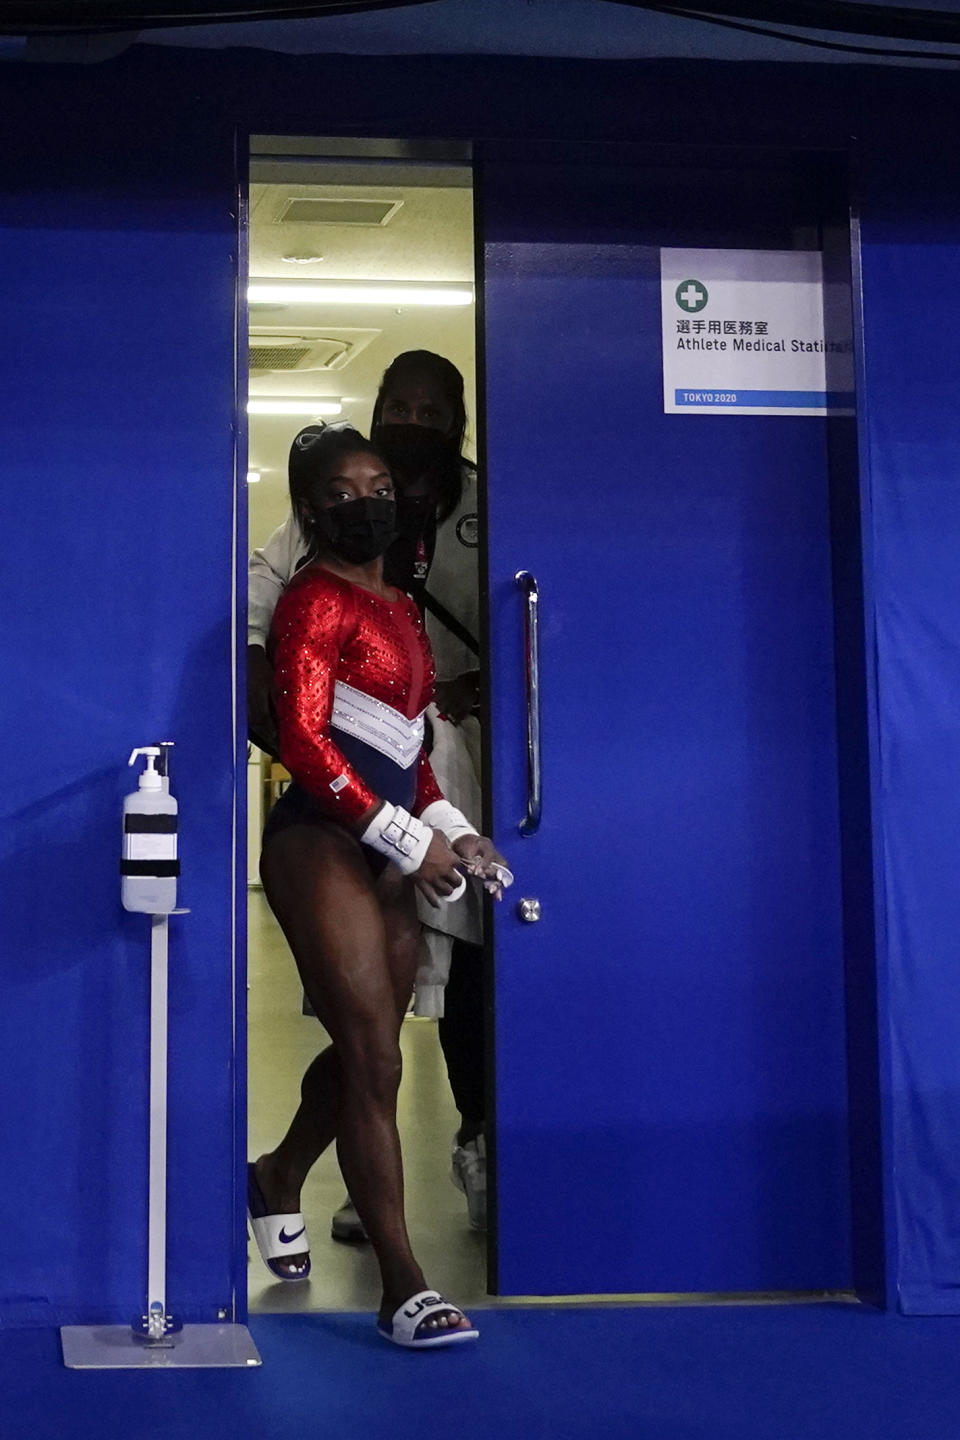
[314, 1125]
[356, 949]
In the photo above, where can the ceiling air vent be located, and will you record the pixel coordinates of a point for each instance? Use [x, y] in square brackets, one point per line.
[296, 352]
[277, 357]
[308, 210]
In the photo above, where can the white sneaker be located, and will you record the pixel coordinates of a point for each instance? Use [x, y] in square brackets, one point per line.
[468, 1171]
[347, 1226]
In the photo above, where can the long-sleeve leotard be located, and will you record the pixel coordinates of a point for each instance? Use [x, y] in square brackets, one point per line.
[352, 676]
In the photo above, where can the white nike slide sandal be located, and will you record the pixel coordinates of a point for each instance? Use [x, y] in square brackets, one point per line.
[277, 1236]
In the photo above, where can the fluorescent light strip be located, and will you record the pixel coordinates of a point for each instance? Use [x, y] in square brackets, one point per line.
[345, 293]
[253, 477]
[305, 406]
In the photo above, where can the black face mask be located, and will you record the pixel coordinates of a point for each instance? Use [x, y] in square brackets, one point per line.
[413, 451]
[414, 513]
[358, 530]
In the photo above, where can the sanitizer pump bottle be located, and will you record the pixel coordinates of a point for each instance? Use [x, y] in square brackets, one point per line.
[149, 866]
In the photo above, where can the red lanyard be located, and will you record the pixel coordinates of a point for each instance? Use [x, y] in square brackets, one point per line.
[421, 564]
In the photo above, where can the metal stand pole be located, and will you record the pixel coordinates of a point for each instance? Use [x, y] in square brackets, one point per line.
[157, 1248]
[156, 1339]
[156, 1322]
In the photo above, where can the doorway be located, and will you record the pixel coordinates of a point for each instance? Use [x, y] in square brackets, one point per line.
[353, 260]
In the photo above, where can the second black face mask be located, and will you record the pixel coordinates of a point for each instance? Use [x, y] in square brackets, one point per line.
[414, 451]
[358, 530]
[414, 513]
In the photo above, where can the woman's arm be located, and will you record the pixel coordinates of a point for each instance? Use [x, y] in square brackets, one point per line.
[427, 788]
[482, 857]
[305, 645]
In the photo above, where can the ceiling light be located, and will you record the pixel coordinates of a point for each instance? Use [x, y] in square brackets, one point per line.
[293, 406]
[349, 292]
[304, 259]
[253, 476]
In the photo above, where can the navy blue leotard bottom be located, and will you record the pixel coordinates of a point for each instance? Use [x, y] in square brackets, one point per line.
[381, 774]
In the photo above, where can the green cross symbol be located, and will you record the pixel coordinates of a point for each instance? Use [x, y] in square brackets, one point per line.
[692, 296]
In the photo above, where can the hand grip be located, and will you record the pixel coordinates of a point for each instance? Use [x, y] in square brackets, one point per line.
[530, 824]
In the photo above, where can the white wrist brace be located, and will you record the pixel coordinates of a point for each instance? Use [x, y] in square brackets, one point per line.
[451, 822]
[400, 836]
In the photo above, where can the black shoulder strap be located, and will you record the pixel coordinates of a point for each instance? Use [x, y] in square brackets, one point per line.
[441, 613]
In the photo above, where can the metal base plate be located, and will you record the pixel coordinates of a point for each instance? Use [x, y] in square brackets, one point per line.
[114, 1347]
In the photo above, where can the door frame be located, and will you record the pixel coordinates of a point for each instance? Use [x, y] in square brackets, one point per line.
[289, 156]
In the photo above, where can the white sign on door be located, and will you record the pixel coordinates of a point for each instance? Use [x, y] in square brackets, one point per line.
[753, 332]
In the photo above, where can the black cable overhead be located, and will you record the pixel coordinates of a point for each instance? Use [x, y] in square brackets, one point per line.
[886, 22]
[755, 17]
[86, 17]
[724, 19]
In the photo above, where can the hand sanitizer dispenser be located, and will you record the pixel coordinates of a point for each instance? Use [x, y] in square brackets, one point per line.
[157, 1337]
[149, 866]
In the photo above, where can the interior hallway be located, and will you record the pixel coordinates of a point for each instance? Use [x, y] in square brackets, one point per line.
[281, 1044]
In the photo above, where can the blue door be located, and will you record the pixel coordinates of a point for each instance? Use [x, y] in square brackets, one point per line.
[669, 1034]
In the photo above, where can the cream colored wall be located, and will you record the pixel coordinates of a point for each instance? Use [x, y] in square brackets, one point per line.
[430, 238]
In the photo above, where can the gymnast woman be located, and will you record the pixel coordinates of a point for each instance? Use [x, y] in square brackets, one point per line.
[362, 826]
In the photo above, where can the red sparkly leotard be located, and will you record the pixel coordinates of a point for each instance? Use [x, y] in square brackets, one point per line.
[353, 675]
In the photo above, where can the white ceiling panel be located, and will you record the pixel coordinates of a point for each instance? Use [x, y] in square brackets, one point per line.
[427, 237]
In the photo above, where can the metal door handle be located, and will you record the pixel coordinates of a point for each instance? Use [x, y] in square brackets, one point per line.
[530, 824]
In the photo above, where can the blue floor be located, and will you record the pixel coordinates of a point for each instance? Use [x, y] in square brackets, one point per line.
[781, 1373]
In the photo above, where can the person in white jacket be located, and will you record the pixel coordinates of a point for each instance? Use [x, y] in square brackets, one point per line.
[419, 420]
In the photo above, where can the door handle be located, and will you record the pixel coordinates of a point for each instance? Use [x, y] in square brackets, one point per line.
[530, 824]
